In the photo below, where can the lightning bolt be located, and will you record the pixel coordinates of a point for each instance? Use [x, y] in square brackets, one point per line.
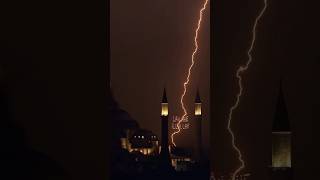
[240, 70]
[189, 73]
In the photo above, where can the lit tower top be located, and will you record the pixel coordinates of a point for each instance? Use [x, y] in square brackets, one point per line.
[197, 109]
[164, 104]
[198, 127]
[281, 135]
[165, 162]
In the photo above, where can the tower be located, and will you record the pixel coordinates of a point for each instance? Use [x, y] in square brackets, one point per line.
[281, 141]
[198, 128]
[165, 161]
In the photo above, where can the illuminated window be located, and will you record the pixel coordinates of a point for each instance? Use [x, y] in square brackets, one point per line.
[164, 109]
[197, 109]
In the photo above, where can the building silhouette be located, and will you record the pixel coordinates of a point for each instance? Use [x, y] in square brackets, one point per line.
[281, 141]
[140, 153]
[19, 160]
[181, 159]
[165, 159]
[198, 129]
[145, 142]
[123, 125]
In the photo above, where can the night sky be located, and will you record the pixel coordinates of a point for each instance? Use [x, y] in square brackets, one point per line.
[151, 44]
[53, 68]
[285, 49]
[151, 47]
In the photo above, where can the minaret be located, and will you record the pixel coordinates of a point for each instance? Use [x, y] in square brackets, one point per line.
[198, 128]
[281, 141]
[164, 153]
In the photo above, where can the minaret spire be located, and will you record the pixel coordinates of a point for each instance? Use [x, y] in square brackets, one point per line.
[164, 96]
[164, 153]
[197, 108]
[198, 100]
[198, 128]
[281, 140]
[164, 104]
[281, 120]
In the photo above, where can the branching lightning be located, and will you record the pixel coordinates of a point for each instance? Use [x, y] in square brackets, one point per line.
[240, 70]
[189, 73]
